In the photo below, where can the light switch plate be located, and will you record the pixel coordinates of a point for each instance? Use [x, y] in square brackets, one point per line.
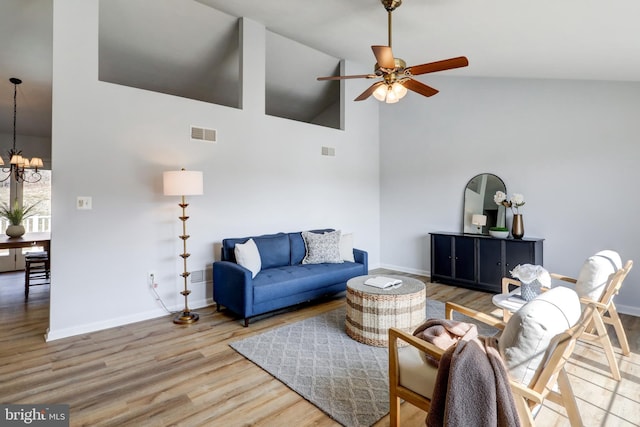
[83, 203]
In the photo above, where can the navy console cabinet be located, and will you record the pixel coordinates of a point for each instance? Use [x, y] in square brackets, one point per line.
[479, 262]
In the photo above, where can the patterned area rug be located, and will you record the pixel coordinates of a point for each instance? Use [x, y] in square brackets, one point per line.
[316, 358]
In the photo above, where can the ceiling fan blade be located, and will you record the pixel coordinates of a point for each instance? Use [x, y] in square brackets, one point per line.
[367, 93]
[359, 76]
[384, 56]
[419, 87]
[446, 64]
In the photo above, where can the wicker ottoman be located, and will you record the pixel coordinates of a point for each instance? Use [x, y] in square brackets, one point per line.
[372, 311]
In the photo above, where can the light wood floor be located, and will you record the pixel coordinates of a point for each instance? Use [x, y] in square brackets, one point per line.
[155, 373]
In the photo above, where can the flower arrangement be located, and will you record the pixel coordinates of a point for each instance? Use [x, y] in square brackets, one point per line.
[515, 202]
[527, 273]
[533, 278]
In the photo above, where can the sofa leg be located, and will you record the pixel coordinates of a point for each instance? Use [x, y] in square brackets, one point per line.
[246, 322]
[218, 307]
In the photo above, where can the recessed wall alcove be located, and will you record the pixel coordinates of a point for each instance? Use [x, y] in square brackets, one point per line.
[179, 48]
[192, 50]
[292, 88]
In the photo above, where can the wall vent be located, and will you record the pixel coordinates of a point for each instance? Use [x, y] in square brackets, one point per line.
[197, 276]
[328, 151]
[203, 134]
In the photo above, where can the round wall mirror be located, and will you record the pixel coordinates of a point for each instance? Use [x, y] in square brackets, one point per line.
[480, 211]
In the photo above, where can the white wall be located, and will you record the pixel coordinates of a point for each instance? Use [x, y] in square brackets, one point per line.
[571, 147]
[112, 143]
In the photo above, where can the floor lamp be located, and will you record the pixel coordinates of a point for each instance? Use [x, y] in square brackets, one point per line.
[183, 183]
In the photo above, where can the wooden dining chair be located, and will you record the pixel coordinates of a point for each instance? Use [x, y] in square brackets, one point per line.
[533, 378]
[37, 270]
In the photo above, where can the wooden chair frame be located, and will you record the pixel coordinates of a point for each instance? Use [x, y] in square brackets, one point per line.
[605, 313]
[526, 397]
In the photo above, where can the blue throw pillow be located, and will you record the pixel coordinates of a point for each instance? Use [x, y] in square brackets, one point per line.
[274, 250]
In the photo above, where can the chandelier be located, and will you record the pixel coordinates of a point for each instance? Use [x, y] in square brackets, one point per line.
[20, 167]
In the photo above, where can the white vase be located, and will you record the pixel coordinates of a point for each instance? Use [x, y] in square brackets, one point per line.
[15, 230]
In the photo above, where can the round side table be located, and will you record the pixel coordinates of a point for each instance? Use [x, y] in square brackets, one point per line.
[372, 311]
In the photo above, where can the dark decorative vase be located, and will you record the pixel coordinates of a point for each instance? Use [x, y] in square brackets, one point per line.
[517, 228]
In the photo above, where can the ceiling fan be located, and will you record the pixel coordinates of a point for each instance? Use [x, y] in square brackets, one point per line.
[396, 76]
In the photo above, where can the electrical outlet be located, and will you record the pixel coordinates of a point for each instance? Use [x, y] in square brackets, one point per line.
[151, 279]
[83, 203]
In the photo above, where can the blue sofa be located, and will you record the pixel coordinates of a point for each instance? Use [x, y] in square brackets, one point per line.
[283, 280]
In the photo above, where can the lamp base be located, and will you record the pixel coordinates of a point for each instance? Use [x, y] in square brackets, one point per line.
[186, 317]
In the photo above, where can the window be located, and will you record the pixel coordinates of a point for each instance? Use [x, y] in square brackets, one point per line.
[38, 194]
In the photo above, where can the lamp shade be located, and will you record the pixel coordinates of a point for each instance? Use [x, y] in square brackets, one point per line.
[479, 220]
[36, 162]
[182, 183]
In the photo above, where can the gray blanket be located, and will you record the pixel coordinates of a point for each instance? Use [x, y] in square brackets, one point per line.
[472, 387]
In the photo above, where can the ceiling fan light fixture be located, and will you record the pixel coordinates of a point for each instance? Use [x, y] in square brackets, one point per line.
[392, 96]
[390, 92]
[399, 89]
[380, 93]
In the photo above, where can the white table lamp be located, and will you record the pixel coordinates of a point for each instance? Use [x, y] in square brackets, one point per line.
[479, 221]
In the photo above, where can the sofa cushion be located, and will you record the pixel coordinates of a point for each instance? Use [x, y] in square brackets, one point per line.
[525, 338]
[274, 250]
[290, 280]
[322, 248]
[247, 255]
[596, 272]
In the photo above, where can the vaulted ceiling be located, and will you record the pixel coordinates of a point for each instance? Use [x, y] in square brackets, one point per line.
[568, 39]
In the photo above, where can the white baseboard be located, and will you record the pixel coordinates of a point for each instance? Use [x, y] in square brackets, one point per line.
[628, 309]
[406, 269]
[120, 321]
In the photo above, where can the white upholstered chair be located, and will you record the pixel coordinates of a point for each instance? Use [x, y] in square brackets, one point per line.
[535, 345]
[598, 282]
